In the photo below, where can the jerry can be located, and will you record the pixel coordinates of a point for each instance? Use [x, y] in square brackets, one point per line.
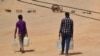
[26, 41]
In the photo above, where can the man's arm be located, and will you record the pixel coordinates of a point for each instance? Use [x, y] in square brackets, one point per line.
[26, 30]
[60, 29]
[15, 32]
[72, 28]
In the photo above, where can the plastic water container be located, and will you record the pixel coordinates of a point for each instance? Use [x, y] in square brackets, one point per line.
[15, 44]
[71, 46]
[26, 41]
[59, 44]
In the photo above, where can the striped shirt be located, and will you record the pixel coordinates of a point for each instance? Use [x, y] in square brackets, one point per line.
[66, 26]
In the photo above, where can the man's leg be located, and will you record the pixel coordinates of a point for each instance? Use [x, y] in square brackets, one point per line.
[67, 44]
[63, 44]
[21, 38]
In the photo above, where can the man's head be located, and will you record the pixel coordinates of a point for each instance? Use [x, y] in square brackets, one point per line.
[20, 17]
[67, 14]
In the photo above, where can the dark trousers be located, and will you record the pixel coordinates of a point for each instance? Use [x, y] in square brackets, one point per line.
[21, 40]
[66, 40]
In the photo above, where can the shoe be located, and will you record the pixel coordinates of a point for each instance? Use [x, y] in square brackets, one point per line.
[20, 50]
[66, 54]
[23, 51]
[62, 53]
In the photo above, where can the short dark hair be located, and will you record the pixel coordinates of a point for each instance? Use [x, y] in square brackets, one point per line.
[67, 14]
[20, 17]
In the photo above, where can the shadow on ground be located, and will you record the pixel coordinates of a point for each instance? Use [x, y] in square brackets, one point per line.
[31, 50]
[75, 53]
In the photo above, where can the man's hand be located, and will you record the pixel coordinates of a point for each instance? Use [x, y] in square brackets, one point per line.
[14, 36]
[26, 35]
[15, 32]
[59, 35]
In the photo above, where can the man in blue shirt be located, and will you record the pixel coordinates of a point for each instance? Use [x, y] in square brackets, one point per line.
[22, 31]
[66, 32]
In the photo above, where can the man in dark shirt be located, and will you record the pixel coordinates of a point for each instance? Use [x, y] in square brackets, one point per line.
[22, 31]
[66, 31]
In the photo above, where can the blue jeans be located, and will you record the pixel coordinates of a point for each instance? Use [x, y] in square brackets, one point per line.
[66, 40]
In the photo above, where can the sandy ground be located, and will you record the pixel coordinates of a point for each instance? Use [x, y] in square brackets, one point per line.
[43, 27]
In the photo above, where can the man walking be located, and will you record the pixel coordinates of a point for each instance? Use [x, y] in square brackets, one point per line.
[66, 32]
[22, 31]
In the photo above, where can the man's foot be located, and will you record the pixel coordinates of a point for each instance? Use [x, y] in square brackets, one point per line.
[23, 51]
[20, 50]
[62, 53]
[66, 54]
